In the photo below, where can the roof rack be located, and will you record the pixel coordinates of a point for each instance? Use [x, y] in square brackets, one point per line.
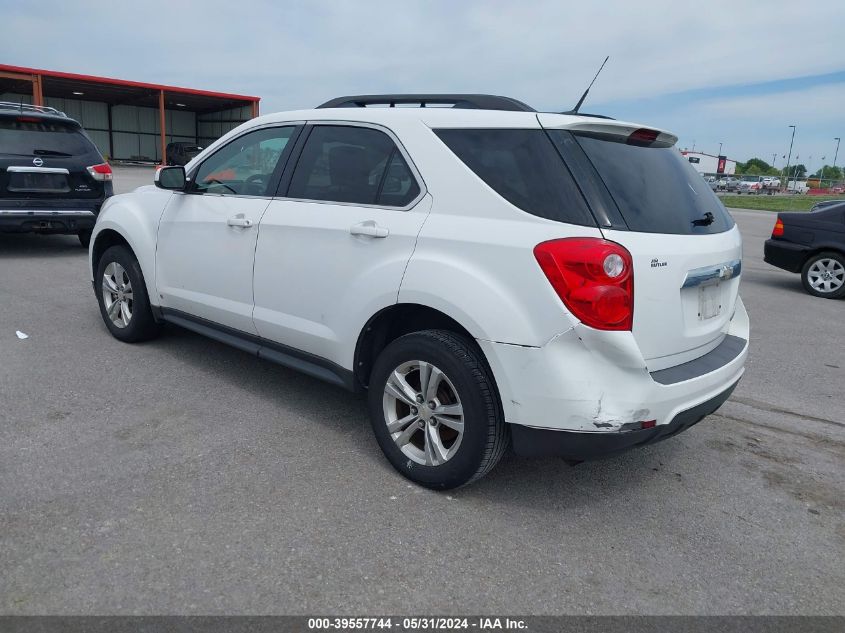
[471, 102]
[30, 109]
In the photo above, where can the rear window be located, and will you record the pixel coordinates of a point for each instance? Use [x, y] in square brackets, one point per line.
[19, 136]
[655, 189]
[524, 168]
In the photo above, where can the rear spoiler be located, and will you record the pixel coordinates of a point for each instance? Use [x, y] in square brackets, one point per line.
[617, 131]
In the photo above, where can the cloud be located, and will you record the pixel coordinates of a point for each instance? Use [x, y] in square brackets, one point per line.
[296, 54]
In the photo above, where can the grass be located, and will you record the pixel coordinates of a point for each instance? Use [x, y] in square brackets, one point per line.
[775, 203]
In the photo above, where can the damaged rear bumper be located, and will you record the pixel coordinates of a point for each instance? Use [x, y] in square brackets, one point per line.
[592, 391]
[583, 446]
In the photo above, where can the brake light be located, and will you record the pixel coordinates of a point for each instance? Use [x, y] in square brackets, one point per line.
[643, 136]
[100, 172]
[28, 119]
[593, 277]
[778, 230]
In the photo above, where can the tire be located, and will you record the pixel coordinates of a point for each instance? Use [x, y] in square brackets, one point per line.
[464, 381]
[122, 268]
[84, 238]
[823, 275]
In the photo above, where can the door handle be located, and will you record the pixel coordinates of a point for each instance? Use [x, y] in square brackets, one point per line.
[239, 220]
[369, 228]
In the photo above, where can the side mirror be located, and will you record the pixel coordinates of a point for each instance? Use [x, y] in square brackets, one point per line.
[172, 178]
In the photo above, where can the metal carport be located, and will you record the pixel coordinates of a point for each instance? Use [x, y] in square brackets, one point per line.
[130, 120]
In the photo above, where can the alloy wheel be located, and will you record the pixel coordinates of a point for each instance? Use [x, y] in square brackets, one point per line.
[826, 275]
[423, 413]
[117, 295]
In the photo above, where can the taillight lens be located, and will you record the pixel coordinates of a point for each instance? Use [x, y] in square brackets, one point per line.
[642, 137]
[593, 277]
[100, 172]
[778, 230]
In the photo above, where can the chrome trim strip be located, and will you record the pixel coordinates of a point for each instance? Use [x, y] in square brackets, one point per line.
[724, 271]
[81, 212]
[37, 170]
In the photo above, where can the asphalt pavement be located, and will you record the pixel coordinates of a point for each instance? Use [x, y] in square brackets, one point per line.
[184, 476]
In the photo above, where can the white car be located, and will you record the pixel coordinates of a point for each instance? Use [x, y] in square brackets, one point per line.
[488, 274]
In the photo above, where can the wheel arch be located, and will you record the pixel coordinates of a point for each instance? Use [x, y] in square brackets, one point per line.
[394, 321]
[822, 248]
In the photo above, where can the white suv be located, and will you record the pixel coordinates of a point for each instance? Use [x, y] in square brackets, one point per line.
[487, 273]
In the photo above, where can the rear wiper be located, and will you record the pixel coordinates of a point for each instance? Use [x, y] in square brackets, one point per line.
[707, 220]
[49, 152]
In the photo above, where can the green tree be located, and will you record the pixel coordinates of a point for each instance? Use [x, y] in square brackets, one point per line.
[756, 167]
[797, 172]
[829, 172]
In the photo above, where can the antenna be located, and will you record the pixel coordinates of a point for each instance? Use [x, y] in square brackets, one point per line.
[587, 91]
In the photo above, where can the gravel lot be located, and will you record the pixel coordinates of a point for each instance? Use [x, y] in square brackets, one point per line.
[183, 476]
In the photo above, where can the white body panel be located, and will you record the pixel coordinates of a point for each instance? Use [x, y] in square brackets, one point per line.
[204, 265]
[317, 284]
[668, 326]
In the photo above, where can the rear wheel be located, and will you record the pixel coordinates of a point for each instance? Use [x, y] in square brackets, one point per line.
[824, 275]
[435, 409]
[122, 295]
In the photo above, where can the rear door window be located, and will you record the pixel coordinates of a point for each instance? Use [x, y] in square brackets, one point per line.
[352, 164]
[655, 189]
[31, 136]
[524, 168]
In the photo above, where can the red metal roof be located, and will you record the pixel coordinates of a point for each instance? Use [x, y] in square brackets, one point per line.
[126, 83]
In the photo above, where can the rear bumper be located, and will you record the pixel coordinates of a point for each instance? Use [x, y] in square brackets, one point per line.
[589, 384]
[786, 255]
[47, 220]
[579, 446]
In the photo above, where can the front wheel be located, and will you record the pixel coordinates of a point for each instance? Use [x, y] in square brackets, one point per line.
[435, 409]
[823, 275]
[122, 295]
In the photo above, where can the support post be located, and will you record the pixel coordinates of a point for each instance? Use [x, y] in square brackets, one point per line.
[37, 91]
[254, 109]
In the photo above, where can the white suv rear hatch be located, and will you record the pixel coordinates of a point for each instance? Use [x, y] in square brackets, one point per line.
[685, 246]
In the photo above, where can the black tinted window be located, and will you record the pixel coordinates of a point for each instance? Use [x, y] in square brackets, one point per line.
[523, 167]
[352, 164]
[29, 136]
[656, 190]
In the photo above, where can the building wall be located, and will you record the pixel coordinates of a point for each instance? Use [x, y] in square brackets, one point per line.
[135, 130]
[706, 164]
[213, 125]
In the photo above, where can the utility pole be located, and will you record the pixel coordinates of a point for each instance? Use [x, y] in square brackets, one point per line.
[836, 154]
[790, 156]
[774, 158]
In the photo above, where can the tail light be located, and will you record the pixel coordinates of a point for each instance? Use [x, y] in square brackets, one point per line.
[593, 277]
[778, 230]
[100, 172]
[642, 137]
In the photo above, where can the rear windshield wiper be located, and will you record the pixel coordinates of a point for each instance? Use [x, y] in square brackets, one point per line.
[707, 220]
[49, 152]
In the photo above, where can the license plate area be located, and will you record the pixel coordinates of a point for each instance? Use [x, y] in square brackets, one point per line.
[709, 300]
[37, 183]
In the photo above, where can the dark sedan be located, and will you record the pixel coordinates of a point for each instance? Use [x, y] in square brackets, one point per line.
[812, 244]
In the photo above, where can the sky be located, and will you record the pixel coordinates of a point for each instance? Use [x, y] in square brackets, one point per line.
[736, 73]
